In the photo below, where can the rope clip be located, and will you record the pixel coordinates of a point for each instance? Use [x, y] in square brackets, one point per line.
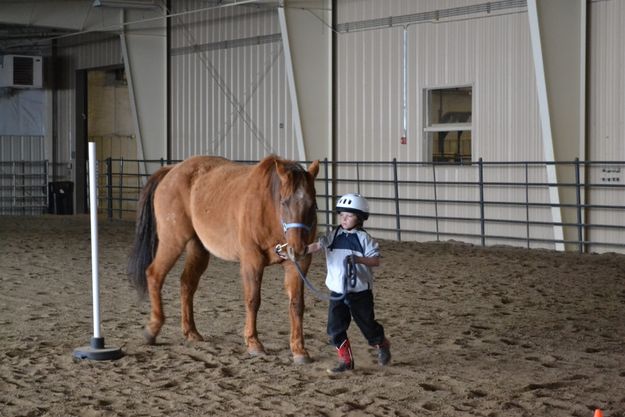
[279, 249]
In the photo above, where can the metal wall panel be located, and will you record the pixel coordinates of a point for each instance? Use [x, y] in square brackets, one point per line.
[606, 112]
[229, 94]
[606, 80]
[492, 54]
[488, 51]
[369, 91]
[22, 148]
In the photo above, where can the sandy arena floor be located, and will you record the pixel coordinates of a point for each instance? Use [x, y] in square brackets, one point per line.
[475, 332]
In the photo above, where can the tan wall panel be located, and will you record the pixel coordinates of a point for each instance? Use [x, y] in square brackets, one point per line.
[491, 54]
[606, 112]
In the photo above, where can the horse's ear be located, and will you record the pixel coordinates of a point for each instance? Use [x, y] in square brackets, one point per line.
[313, 169]
[281, 171]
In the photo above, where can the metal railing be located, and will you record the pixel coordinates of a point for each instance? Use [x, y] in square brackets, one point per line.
[485, 203]
[23, 187]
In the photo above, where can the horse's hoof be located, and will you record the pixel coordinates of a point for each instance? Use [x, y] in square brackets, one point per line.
[301, 359]
[256, 352]
[149, 339]
[194, 337]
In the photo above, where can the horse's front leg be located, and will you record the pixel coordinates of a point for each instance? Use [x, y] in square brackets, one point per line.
[295, 291]
[252, 275]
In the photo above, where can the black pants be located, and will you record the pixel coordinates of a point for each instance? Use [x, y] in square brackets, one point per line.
[358, 305]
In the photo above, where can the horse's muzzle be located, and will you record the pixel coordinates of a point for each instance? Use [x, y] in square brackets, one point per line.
[290, 252]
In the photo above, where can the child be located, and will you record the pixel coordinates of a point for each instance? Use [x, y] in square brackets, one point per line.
[350, 254]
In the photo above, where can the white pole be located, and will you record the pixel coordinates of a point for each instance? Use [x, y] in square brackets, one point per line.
[96, 349]
[93, 209]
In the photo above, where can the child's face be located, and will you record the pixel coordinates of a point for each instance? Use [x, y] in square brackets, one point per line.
[348, 220]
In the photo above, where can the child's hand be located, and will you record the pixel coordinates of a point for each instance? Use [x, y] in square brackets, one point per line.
[372, 261]
[314, 247]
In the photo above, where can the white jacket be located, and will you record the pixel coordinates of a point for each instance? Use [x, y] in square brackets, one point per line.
[340, 243]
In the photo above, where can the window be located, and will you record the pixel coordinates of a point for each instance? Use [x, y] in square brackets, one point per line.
[448, 124]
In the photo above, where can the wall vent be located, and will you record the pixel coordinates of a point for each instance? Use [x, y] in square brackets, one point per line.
[20, 71]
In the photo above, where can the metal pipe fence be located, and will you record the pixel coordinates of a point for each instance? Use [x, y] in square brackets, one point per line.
[485, 203]
[23, 187]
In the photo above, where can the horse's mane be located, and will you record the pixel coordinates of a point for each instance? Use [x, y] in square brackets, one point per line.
[296, 174]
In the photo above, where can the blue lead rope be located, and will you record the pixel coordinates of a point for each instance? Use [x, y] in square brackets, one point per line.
[350, 276]
[349, 267]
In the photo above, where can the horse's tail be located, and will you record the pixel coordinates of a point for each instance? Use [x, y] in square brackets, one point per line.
[146, 238]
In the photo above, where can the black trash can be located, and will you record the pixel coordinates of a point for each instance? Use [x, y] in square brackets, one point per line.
[61, 197]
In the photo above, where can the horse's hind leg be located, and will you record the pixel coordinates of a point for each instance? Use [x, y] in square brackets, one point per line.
[196, 262]
[165, 258]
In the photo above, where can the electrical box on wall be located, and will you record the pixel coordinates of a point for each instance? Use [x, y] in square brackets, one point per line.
[21, 71]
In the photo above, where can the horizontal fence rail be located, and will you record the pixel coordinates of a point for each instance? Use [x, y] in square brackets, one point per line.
[485, 203]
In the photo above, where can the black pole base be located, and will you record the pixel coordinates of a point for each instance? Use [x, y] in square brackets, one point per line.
[97, 352]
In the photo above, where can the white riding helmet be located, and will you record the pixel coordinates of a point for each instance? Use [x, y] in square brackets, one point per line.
[353, 203]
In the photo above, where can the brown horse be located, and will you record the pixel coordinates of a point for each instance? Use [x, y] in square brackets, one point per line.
[236, 212]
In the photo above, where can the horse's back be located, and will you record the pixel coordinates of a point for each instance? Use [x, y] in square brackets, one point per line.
[183, 176]
[201, 196]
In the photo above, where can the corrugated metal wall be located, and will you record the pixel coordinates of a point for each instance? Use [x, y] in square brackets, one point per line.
[488, 50]
[22, 148]
[84, 52]
[229, 94]
[606, 113]
[606, 80]
[491, 53]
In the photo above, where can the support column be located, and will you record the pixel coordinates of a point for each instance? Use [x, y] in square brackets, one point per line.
[558, 36]
[145, 62]
[307, 41]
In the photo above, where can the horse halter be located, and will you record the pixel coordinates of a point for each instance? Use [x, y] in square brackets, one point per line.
[287, 226]
[279, 249]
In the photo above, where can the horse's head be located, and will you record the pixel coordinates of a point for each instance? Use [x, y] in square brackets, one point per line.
[298, 207]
